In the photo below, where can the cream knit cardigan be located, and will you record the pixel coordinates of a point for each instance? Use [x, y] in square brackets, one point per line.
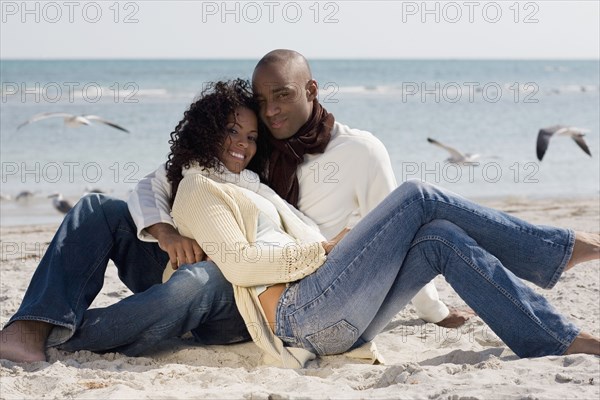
[211, 209]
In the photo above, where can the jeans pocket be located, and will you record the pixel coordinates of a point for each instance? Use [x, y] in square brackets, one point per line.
[334, 339]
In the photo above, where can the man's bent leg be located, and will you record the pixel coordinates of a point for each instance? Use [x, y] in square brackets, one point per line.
[71, 273]
[196, 295]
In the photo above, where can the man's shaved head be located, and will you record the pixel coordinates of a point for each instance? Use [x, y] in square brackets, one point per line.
[289, 60]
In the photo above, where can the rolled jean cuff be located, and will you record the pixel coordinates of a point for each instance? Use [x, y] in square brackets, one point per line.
[571, 336]
[564, 262]
[60, 333]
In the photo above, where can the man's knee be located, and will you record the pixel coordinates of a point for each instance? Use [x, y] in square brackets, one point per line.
[114, 210]
[113, 207]
[202, 279]
[97, 202]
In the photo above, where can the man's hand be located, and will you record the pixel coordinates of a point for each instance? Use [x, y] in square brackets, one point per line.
[181, 250]
[456, 318]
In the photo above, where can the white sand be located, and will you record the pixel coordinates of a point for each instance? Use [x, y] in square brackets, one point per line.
[423, 360]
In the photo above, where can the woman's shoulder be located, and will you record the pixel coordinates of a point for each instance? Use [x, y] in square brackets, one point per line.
[199, 183]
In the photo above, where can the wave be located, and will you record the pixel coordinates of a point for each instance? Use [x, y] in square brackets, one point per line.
[452, 88]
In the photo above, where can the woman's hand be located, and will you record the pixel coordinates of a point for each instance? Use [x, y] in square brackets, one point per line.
[330, 244]
[181, 249]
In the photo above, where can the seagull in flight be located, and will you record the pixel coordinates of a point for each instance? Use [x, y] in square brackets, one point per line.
[72, 120]
[455, 156]
[545, 134]
[60, 203]
[24, 195]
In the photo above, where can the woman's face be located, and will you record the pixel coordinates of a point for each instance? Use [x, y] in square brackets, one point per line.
[240, 143]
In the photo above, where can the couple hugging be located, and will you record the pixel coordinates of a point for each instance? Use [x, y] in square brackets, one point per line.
[301, 266]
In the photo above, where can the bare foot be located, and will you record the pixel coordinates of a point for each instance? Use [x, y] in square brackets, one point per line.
[584, 343]
[587, 248]
[24, 341]
[456, 318]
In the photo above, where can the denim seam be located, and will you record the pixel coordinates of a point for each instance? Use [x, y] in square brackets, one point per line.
[569, 246]
[94, 268]
[500, 289]
[563, 264]
[85, 283]
[497, 222]
[143, 248]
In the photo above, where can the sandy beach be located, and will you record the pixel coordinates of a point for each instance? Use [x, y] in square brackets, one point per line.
[423, 361]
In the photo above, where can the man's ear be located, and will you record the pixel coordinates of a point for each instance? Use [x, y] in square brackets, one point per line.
[312, 90]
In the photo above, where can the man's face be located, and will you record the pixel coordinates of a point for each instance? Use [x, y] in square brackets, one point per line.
[285, 96]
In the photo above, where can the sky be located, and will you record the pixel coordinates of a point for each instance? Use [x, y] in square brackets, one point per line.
[325, 29]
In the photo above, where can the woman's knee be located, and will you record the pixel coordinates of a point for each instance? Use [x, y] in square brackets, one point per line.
[439, 236]
[414, 189]
[418, 186]
[441, 229]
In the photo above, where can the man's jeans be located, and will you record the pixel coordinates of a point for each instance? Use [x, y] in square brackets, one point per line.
[71, 274]
[416, 233]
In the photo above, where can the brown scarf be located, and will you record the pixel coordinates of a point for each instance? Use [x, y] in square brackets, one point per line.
[288, 154]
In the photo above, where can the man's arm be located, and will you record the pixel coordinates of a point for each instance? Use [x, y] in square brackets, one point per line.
[150, 209]
[149, 203]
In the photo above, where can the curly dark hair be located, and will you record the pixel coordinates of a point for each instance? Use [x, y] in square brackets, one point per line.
[200, 135]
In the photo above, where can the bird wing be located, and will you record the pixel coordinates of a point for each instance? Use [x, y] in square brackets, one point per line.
[553, 129]
[45, 115]
[582, 144]
[543, 140]
[453, 152]
[104, 121]
[571, 131]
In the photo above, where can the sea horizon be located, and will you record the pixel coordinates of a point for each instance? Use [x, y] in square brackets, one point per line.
[491, 107]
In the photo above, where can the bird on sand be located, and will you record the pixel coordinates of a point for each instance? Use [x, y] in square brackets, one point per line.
[59, 203]
[455, 156]
[545, 134]
[72, 121]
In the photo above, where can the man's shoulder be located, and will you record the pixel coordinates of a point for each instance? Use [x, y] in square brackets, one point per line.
[342, 130]
[343, 135]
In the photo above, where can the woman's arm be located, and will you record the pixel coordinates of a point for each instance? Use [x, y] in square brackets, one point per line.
[222, 222]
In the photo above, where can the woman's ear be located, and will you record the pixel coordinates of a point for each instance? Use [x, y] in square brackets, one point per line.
[312, 90]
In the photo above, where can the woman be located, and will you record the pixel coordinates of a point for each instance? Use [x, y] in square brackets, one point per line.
[206, 134]
[340, 294]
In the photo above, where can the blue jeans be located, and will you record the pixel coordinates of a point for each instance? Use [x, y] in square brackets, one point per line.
[71, 274]
[416, 233]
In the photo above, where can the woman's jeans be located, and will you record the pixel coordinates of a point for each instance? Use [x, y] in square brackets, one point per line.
[416, 233]
[71, 274]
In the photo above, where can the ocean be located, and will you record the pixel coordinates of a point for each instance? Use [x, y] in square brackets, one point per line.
[493, 107]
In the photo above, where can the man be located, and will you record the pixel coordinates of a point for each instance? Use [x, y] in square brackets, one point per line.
[334, 174]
